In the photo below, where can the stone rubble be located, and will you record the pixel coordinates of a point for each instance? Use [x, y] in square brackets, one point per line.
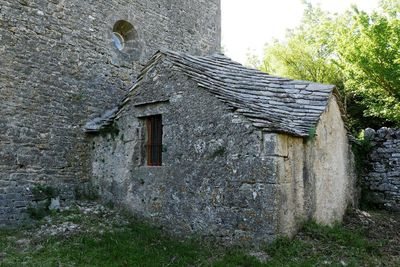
[75, 223]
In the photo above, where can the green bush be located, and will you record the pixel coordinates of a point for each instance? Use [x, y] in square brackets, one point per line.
[42, 195]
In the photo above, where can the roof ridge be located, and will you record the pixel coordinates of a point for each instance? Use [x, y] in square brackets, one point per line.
[272, 103]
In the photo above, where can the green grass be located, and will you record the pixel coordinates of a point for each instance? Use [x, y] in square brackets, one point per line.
[134, 246]
[325, 246]
[135, 243]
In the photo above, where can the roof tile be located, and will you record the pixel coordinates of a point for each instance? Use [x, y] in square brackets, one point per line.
[272, 103]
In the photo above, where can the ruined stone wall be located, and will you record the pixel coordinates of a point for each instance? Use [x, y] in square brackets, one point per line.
[382, 182]
[213, 181]
[59, 67]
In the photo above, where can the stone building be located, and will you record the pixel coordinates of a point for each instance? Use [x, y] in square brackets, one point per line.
[204, 145]
[64, 61]
[199, 144]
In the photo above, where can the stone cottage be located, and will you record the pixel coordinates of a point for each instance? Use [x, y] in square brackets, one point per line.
[203, 145]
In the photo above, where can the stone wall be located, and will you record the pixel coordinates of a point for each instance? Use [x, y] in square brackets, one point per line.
[382, 182]
[331, 166]
[212, 182]
[316, 177]
[59, 67]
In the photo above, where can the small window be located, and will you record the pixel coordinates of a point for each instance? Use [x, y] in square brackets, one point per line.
[154, 140]
[124, 36]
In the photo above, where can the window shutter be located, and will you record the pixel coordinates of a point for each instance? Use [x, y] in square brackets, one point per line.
[154, 140]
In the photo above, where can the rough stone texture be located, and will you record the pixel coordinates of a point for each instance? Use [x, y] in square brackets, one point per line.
[316, 176]
[332, 164]
[271, 103]
[383, 180]
[221, 177]
[212, 181]
[58, 67]
[289, 156]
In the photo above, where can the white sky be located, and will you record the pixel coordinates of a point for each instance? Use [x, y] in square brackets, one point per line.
[248, 24]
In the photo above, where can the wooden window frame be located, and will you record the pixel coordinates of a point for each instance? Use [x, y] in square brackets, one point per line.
[154, 140]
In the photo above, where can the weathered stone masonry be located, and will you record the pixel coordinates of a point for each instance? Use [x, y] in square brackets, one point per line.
[223, 176]
[383, 180]
[58, 67]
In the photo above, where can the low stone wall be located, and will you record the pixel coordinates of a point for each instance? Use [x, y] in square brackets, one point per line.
[382, 182]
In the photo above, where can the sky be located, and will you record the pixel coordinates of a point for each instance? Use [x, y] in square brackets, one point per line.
[248, 24]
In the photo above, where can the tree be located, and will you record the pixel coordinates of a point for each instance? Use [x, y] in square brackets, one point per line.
[369, 49]
[307, 53]
[356, 51]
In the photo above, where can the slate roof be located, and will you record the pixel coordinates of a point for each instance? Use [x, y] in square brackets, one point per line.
[272, 103]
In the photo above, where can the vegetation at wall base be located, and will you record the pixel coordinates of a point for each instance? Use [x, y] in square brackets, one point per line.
[42, 195]
[89, 234]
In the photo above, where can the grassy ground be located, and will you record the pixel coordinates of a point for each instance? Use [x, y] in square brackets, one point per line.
[91, 235]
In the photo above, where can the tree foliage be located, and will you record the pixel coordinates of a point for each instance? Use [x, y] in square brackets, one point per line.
[369, 50]
[356, 51]
[307, 53]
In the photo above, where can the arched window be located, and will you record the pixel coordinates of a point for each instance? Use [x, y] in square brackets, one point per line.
[124, 36]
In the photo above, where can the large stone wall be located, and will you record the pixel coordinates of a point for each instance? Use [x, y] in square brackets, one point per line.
[59, 67]
[213, 181]
[382, 182]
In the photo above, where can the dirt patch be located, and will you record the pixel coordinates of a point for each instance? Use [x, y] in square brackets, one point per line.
[378, 226]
